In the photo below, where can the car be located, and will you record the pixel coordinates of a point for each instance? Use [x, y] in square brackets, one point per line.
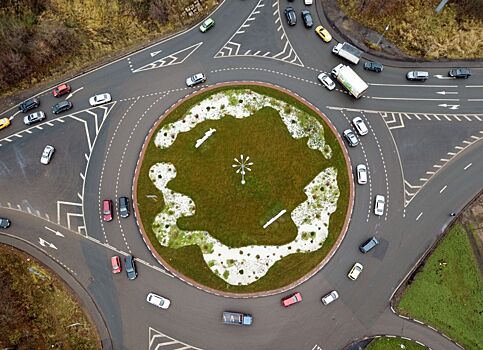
[207, 24]
[29, 104]
[361, 172]
[100, 99]
[123, 207]
[307, 18]
[326, 81]
[308, 2]
[290, 15]
[460, 73]
[130, 267]
[368, 245]
[47, 154]
[328, 298]
[360, 126]
[4, 223]
[417, 75]
[116, 264]
[292, 299]
[4, 122]
[355, 271]
[373, 66]
[379, 205]
[60, 90]
[193, 80]
[323, 34]
[62, 107]
[350, 137]
[158, 300]
[34, 118]
[107, 210]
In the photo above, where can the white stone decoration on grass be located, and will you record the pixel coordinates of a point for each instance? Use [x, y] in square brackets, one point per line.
[245, 265]
[242, 166]
[207, 134]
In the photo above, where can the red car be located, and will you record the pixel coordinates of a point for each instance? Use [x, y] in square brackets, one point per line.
[107, 210]
[292, 299]
[60, 90]
[116, 264]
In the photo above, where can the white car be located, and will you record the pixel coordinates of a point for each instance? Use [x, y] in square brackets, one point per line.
[361, 172]
[100, 99]
[308, 2]
[355, 271]
[326, 81]
[158, 300]
[327, 299]
[360, 126]
[47, 154]
[195, 79]
[379, 205]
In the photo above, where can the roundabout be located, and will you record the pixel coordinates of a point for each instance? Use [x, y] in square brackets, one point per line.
[265, 214]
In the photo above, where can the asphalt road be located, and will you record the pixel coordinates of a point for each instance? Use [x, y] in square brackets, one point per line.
[423, 153]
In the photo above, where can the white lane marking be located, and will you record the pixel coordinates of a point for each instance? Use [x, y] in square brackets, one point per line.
[44, 243]
[439, 76]
[420, 214]
[442, 190]
[57, 233]
[416, 86]
[447, 92]
[466, 167]
[414, 98]
[473, 86]
[475, 99]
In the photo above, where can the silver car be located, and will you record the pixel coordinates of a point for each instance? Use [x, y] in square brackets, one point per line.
[417, 75]
[326, 81]
[158, 300]
[47, 154]
[100, 99]
[195, 79]
[327, 299]
[34, 118]
[350, 137]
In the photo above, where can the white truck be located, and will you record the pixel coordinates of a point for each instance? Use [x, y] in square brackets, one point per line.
[237, 318]
[349, 52]
[350, 80]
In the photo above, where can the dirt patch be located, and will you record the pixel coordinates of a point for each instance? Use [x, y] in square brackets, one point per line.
[472, 220]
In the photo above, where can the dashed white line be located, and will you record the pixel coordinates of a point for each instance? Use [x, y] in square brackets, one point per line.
[420, 214]
[442, 190]
[466, 167]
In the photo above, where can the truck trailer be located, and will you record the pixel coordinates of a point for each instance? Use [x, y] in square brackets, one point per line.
[350, 80]
[349, 52]
[237, 318]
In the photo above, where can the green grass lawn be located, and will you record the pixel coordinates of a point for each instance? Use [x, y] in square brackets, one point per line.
[448, 292]
[282, 167]
[384, 343]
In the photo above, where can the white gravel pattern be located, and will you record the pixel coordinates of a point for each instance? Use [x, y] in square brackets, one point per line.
[242, 266]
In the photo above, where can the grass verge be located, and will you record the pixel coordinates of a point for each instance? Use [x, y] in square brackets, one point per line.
[384, 343]
[417, 30]
[189, 260]
[448, 291]
[38, 310]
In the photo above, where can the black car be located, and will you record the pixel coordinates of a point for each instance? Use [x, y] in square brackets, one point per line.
[31, 103]
[307, 18]
[130, 267]
[460, 73]
[374, 66]
[368, 245]
[291, 17]
[4, 223]
[61, 107]
[123, 207]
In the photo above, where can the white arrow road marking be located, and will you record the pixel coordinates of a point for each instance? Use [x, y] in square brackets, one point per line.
[73, 92]
[155, 53]
[447, 92]
[449, 106]
[439, 76]
[43, 243]
[57, 233]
